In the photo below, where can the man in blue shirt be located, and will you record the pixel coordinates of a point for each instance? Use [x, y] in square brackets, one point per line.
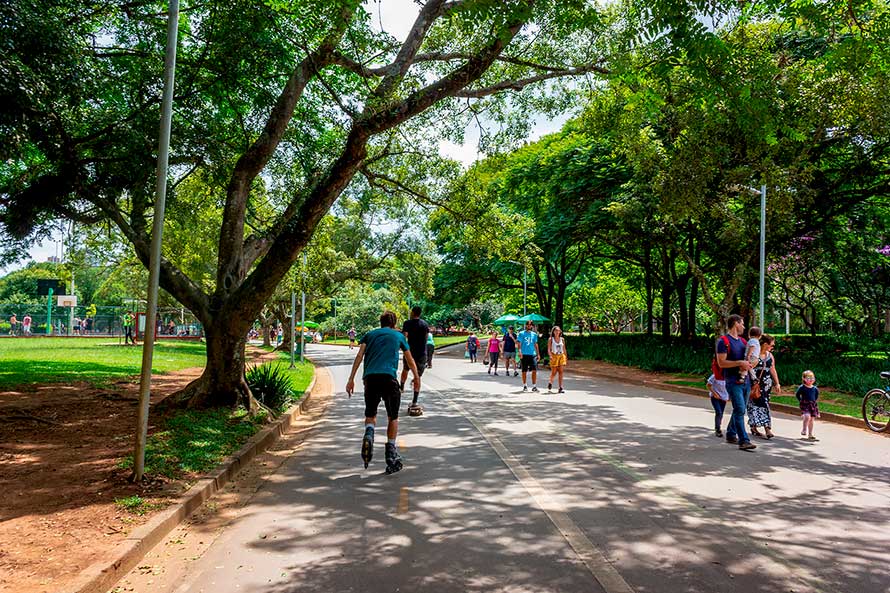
[380, 351]
[731, 358]
[528, 349]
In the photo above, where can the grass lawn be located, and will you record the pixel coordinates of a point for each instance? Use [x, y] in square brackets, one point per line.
[194, 441]
[25, 362]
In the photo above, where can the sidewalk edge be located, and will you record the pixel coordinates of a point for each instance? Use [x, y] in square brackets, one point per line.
[102, 575]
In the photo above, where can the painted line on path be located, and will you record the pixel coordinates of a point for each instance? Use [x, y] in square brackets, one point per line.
[597, 564]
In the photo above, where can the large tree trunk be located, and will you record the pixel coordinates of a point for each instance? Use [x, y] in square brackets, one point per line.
[222, 383]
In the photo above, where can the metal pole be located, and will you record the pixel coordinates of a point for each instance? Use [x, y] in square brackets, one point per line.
[157, 233]
[524, 289]
[303, 310]
[71, 309]
[762, 249]
[293, 329]
[49, 312]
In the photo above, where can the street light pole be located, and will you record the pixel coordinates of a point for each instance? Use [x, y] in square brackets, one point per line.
[303, 311]
[762, 250]
[524, 289]
[157, 232]
[293, 323]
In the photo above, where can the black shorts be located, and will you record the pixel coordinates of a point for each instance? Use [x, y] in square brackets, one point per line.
[421, 366]
[382, 387]
[528, 363]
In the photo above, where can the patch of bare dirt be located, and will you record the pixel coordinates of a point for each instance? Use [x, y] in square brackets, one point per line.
[60, 446]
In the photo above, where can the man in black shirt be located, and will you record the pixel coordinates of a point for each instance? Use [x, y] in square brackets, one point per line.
[415, 330]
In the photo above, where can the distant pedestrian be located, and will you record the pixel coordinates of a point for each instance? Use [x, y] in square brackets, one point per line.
[380, 351]
[719, 397]
[767, 377]
[808, 395]
[13, 324]
[351, 335]
[472, 346]
[510, 351]
[731, 358]
[528, 349]
[127, 324]
[430, 349]
[26, 325]
[494, 352]
[416, 331]
[556, 350]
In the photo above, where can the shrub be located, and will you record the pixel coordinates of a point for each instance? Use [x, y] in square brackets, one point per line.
[271, 385]
[839, 362]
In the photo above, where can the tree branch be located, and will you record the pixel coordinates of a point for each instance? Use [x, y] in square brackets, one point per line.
[518, 85]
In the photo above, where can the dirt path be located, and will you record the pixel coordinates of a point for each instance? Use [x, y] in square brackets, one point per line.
[60, 446]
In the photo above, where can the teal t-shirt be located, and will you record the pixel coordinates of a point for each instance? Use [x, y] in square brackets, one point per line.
[382, 347]
[429, 339]
[527, 340]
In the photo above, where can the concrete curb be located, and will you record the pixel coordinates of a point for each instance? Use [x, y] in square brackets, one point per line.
[102, 576]
[825, 416]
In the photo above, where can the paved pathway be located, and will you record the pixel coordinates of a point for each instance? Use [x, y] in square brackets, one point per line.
[608, 488]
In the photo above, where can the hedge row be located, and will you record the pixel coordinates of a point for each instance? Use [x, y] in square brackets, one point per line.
[843, 363]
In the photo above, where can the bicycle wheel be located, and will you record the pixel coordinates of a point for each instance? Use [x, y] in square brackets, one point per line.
[876, 410]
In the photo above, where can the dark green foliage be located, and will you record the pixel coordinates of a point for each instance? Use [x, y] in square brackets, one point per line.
[271, 385]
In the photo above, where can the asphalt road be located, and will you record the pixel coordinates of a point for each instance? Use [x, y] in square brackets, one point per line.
[607, 488]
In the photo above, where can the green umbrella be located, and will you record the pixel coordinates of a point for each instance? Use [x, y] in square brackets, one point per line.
[534, 318]
[505, 319]
[310, 324]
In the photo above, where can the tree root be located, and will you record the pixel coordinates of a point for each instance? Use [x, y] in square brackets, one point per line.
[31, 418]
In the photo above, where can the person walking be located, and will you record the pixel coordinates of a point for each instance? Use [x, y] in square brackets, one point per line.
[556, 350]
[759, 414]
[13, 323]
[808, 395]
[510, 351]
[472, 346]
[127, 324]
[26, 325]
[719, 397]
[416, 330]
[731, 358]
[494, 352]
[528, 348]
[430, 349]
[379, 349]
[351, 335]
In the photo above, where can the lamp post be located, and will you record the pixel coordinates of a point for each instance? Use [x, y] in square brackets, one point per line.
[303, 310]
[762, 193]
[156, 235]
[524, 285]
[293, 323]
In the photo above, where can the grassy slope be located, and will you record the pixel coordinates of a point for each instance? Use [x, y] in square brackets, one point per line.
[30, 361]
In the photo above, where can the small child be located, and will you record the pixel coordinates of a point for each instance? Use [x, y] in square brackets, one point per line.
[752, 350]
[807, 394]
[719, 397]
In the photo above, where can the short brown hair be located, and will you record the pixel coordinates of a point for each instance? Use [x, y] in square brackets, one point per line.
[767, 339]
[733, 320]
[388, 319]
[755, 332]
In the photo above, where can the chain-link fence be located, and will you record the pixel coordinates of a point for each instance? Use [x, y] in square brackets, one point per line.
[90, 321]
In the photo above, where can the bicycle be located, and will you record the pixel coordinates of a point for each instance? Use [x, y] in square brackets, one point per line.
[876, 406]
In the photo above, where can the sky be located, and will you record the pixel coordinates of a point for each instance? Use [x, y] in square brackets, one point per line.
[396, 17]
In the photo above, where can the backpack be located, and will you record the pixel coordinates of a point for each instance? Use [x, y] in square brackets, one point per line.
[716, 370]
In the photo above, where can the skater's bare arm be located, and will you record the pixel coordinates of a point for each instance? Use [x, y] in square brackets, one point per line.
[413, 366]
[350, 385]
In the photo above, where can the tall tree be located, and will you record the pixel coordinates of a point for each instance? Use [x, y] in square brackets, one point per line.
[281, 103]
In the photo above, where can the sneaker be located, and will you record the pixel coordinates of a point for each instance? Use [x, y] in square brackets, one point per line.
[393, 459]
[718, 433]
[747, 446]
[515, 373]
[489, 370]
[561, 390]
[525, 388]
[732, 440]
[812, 438]
[549, 386]
[534, 388]
[368, 446]
[495, 373]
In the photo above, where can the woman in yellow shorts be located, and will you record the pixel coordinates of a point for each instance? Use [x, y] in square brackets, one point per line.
[556, 349]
